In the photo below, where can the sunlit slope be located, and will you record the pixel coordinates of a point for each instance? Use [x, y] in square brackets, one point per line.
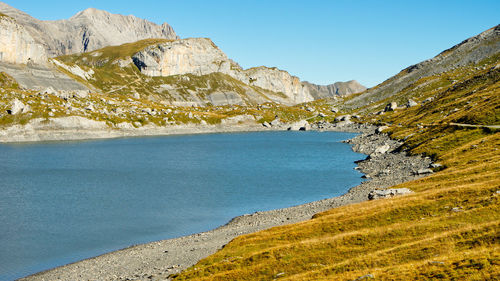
[472, 52]
[447, 229]
[114, 72]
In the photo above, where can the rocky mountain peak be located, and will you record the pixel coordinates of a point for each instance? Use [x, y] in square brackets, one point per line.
[88, 30]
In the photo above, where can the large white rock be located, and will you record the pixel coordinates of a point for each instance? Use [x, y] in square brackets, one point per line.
[75, 69]
[387, 193]
[302, 125]
[16, 107]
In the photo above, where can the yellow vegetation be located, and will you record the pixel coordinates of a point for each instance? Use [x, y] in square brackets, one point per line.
[448, 229]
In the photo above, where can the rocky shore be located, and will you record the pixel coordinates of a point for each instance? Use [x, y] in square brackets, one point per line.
[384, 167]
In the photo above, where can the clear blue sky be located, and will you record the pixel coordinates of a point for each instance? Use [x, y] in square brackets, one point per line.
[320, 41]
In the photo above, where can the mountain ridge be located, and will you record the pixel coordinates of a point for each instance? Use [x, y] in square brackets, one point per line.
[470, 51]
[87, 30]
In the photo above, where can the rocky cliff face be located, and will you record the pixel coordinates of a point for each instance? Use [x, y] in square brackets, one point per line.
[16, 44]
[88, 30]
[200, 56]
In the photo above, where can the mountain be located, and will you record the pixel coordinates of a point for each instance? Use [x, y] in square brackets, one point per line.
[192, 71]
[472, 51]
[335, 89]
[86, 31]
[116, 54]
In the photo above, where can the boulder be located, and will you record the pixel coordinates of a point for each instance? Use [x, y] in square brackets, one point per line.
[411, 103]
[424, 171]
[275, 122]
[334, 110]
[429, 99]
[380, 129]
[81, 94]
[388, 193]
[382, 149]
[322, 115]
[16, 107]
[300, 126]
[391, 107]
[266, 124]
[346, 118]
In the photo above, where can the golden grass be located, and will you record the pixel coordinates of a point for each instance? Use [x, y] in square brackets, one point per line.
[448, 229]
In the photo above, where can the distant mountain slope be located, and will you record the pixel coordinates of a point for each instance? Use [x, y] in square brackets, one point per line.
[88, 30]
[126, 55]
[337, 88]
[192, 71]
[470, 51]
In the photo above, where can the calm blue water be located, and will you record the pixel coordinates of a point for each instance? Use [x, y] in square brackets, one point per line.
[66, 201]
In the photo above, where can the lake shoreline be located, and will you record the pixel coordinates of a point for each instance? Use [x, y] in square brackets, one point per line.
[158, 260]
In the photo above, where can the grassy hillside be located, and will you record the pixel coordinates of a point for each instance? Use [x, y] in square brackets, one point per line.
[114, 72]
[116, 108]
[448, 229]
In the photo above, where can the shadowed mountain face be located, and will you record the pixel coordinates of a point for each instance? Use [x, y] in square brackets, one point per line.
[88, 30]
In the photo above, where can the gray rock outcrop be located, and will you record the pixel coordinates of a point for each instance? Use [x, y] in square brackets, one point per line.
[302, 125]
[388, 193]
[17, 46]
[16, 107]
[391, 107]
[200, 56]
[42, 77]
